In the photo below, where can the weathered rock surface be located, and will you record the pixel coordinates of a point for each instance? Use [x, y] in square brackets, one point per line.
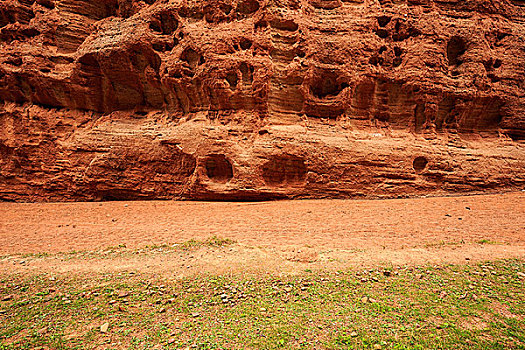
[260, 99]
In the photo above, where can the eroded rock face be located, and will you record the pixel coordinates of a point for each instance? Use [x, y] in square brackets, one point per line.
[260, 99]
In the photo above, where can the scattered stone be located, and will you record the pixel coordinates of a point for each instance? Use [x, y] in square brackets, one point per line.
[287, 289]
[172, 340]
[364, 300]
[162, 310]
[111, 302]
[104, 328]
[8, 297]
[387, 273]
[3, 312]
[195, 314]
[521, 274]
[123, 294]
[353, 334]
[377, 347]
[262, 309]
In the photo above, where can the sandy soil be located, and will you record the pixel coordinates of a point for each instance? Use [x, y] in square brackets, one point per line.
[281, 236]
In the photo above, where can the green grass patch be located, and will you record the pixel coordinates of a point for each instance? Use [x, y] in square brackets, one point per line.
[428, 307]
[487, 241]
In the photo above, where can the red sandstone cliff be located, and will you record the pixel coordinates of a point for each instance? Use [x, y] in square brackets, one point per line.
[255, 99]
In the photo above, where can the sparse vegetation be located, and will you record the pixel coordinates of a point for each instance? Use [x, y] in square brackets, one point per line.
[429, 307]
[122, 250]
[443, 243]
[487, 241]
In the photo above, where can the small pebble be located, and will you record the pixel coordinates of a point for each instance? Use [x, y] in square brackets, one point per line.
[104, 328]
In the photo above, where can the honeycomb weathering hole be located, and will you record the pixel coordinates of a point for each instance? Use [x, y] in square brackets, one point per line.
[327, 85]
[247, 73]
[165, 23]
[383, 20]
[248, 7]
[455, 49]
[282, 24]
[192, 57]
[245, 43]
[284, 170]
[219, 168]
[419, 164]
[232, 79]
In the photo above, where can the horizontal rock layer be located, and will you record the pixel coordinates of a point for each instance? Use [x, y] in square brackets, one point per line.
[248, 99]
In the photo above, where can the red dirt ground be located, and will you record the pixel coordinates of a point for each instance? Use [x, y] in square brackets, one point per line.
[348, 232]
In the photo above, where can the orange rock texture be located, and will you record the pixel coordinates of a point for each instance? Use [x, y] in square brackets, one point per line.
[260, 99]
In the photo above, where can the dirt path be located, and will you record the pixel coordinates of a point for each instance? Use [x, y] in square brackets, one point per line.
[269, 235]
